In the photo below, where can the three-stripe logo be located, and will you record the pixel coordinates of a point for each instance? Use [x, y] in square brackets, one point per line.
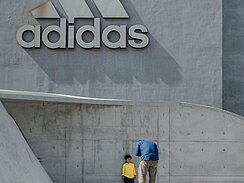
[79, 9]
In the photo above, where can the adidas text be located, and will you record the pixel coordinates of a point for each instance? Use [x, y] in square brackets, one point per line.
[137, 34]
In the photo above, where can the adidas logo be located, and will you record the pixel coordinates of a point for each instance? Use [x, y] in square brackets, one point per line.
[79, 9]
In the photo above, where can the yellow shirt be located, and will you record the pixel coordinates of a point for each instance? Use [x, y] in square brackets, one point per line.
[128, 170]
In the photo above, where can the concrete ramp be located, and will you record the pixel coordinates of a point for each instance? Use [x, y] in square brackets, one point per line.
[17, 162]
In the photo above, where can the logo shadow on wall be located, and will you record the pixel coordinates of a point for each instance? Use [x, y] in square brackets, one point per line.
[152, 64]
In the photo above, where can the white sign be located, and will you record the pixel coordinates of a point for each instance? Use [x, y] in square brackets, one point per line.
[66, 30]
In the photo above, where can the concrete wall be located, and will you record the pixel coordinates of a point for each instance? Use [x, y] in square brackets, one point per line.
[86, 143]
[183, 61]
[233, 56]
[18, 164]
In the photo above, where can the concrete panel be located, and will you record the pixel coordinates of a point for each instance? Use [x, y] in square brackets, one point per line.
[73, 158]
[125, 122]
[207, 158]
[163, 166]
[55, 168]
[189, 123]
[17, 161]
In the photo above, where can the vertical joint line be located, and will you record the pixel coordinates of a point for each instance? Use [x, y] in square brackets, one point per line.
[158, 136]
[65, 155]
[82, 144]
[169, 146]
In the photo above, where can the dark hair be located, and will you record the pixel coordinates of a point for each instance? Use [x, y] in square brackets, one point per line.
[127, 156]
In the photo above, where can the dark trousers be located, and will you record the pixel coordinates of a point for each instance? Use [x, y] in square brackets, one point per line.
[127, 180]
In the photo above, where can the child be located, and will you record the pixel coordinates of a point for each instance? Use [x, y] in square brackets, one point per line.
[128, 170]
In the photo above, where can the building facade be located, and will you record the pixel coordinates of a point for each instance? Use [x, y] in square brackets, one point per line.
[182, 60]
[81, 82]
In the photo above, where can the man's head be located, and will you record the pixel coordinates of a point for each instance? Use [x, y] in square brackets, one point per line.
[128, 158]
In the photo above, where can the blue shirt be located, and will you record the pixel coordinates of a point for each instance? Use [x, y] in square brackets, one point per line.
[147, 150]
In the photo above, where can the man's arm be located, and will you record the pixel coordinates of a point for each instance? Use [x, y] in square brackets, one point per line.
[138, 150]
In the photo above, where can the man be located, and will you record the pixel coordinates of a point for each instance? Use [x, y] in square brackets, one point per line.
[147, 150]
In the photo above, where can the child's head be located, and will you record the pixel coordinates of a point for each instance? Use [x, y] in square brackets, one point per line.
[128, 158]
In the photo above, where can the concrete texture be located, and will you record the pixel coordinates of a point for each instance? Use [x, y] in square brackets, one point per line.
[183, 61]
[86, 142]
[233, 56]
[18, 164]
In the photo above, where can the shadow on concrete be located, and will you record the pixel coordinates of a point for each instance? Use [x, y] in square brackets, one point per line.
[233, 55]
[152, 64]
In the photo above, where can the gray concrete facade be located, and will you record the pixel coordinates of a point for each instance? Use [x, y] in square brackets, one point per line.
[233, 56]
[195, 54]
[81, 143]
[183, 61]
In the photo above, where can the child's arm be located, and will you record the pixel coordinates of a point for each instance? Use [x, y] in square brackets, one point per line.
[123, 171]
[134, 171]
